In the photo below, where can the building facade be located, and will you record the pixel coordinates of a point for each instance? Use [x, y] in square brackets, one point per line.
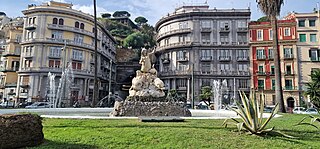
[262, 61]
[197, 45]
[308, 28]
[55, 37]
[10, 59]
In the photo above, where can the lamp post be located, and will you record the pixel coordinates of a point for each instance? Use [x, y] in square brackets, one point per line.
[95, 88]
[63, 75]
[109, 88]
[192, 85]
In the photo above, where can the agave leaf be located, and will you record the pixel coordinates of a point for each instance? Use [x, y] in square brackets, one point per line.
[273, 113]
[301, 120]
[227, 122]
[285, 135]
[239, 126]
[308, 124]
[246, 109]
[261, 111]
[314, 119]
[240, 111]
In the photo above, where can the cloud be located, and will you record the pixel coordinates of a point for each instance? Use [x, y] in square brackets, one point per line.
[89, 9]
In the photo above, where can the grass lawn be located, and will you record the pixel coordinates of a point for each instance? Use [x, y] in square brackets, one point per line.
[70, 133]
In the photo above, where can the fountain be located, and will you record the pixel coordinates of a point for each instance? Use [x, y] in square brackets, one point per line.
[56, 94]
[218, 89]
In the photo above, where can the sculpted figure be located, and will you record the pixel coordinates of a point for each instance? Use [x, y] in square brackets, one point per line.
[145, 60]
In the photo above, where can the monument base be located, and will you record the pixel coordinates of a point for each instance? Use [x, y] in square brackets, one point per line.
[152, 108]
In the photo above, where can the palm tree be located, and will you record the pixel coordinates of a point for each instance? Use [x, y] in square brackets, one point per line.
[313, 88]
[271, 8]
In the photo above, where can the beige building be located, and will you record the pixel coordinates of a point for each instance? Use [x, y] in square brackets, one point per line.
[54, 36]
[10, 59]
[308, 27]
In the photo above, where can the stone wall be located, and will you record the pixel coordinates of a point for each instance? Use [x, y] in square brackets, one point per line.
[21, 130]
[139, 108]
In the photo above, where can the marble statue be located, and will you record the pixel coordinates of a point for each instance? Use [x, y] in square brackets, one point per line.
[146, 83]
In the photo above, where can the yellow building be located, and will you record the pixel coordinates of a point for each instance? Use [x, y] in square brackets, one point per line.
[48, 30]
[10, 60]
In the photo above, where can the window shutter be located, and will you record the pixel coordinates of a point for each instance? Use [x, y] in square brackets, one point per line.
[310, 53]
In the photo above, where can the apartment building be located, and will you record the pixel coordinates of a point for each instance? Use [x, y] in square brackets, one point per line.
[262, 61]
[10, 59]
[197, 45]
[56, 36]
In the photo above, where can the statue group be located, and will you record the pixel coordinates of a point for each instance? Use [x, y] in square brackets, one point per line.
[146, 95]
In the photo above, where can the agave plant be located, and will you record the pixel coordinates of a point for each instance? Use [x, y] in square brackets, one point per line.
[313, 120]
[251, 115]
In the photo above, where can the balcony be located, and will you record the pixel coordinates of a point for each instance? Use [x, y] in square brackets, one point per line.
[261, 57]
[225, 29]
[289, 73]
[9, 69]
[182, 59]
[261, 73]
[174, 45]
[172, 32]
[315, 59]
[206, 58]
[224, 58]
[206, 29]
[225, 43]
[242, 43]
[242, 29]
[270, 57]
[55, 56]
[290, 88]
[69, 28]
[242, 59]
[30, 27]
[70, 42]
[15, 53]
[288, 56]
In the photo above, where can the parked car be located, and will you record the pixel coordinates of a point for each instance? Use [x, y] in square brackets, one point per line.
[267, 109]
[7, 104]
[311, 111]
[299, 110]
[39, 105]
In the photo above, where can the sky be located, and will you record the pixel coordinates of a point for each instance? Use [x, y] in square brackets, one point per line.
[153, 10]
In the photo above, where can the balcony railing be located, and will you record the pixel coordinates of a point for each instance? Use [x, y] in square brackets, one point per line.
[224, 29]
[69, 28]
[30, 27]
[206, 29]
[261, 57]
[182, 30]
[8, 69]
[182, 59]
[288, 56]
[173, 45]
[15, 53]
[242, 58]
[290, 88]
[224, 58]
[242, 29]
[206, 58]
[261, 73]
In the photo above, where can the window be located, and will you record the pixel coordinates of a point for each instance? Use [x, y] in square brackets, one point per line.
[182, 38]
[302, 38]
[205, 82]
[57, 34]
[78, 38]
[312, 23]
[181, 83]
[61, 22]
[260, 84]
[270, 53]
[225, 67]
[206, 55]
[288, 85]
[77, 54]
[205, 38]
[224, 54]
[183, 25]
[273, 84]
[287, 31]
[76, 24]
[243, 83]
[55, 51]
[242, 54]
[224, 25]
[260, 54]
[259, 35]
[30, 20]
[272, 70]
[242, 24]
[54, 63]
[205, 24]
[224, 38]
[81, 26]
[28, 51]
[76, 65]
[288, 69]
[182, 55]
[242, 38]
[28, 63]
[54, 21]
[260, 69]
[270, 34]
[313, 37]
[243, 67]
[301, 23]
[287, 53]
[182, 67]
[314, 54]
[205, 67]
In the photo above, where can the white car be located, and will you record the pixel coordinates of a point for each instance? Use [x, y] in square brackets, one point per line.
[311, 111]
[7, 104]
[39, 105]
[299, 110]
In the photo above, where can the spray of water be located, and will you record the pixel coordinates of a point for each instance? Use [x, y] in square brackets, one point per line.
[218, 89]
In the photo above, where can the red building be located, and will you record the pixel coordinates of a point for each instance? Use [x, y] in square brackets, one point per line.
[262, 61]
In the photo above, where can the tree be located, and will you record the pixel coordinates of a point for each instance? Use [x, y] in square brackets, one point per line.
[206, 94]
[272, 8]
[263, 19]
[313, 88]
[140, 20]
[134, 40]
[121, 14]
[106, 15]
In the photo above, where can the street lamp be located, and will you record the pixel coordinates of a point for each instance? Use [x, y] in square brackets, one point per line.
[109, 92]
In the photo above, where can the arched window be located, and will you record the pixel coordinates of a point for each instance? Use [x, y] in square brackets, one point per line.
[61, 21]
[34, 20]
[76, 25]
[55, 21]
[81, 26]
